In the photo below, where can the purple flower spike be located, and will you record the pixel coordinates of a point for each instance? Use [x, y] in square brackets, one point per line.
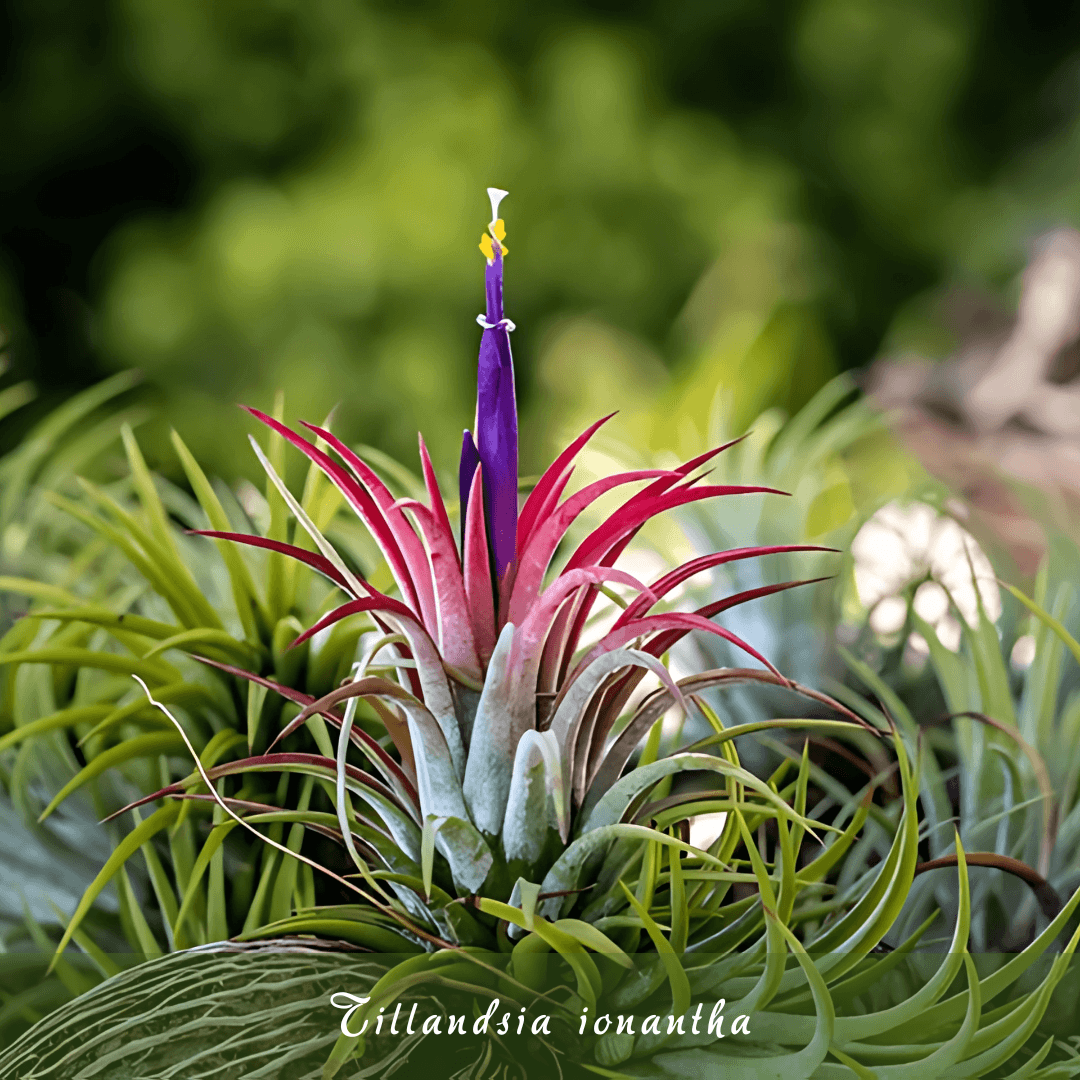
[469, 460]
[496, 405]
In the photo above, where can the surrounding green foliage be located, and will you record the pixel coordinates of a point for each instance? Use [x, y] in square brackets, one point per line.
[999, 741]
[48, 867]
[148, 598]
[1000, 758]
[237, 197]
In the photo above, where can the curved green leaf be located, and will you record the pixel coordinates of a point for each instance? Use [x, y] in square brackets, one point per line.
[164, 742]
[127, 847]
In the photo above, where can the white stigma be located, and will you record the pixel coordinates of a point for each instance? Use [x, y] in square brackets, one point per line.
[496, 195]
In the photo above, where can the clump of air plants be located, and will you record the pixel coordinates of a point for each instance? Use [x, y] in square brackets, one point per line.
[495, 801]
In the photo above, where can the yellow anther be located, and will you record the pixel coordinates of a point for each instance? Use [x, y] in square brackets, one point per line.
[486, 246]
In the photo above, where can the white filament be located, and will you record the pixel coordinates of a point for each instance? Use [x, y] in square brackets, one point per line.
[495, 325]
[496, 195]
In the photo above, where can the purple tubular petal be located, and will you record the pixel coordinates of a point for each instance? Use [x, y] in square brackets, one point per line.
[497, 425]
[469, 460]
[493, 286]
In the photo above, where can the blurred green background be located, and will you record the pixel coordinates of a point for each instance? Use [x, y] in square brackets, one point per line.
[236, 196]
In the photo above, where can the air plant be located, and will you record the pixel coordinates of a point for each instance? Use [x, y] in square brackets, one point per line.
[1000, 758]
[504, 720]
[497, 787]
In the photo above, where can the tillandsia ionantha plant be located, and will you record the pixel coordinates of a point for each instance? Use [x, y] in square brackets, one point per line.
[508, 764]
[496, 793]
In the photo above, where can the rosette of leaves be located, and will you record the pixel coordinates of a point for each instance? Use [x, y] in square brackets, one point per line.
[143, 598]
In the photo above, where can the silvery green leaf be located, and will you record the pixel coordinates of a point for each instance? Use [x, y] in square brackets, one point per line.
[566, 723]
[535, 803]
[436, 781]
[494, 742]
[401, 827]
[463, 847]
[414, 904]
[466, 851]
[620, 795]
[435, 688]
[466, 701]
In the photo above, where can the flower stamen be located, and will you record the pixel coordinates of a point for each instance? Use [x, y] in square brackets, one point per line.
[496, 229]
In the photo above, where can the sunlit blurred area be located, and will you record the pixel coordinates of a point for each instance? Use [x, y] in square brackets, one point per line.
[239, 198]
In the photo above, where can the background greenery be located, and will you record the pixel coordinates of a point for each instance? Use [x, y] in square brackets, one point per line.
[243, 195]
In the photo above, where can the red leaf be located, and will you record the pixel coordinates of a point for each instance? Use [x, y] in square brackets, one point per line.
[295, 696]
[675, 620]
[412, 550]
[617, 695]
[273, 761]
[707, 611]
[533, 561]
[261, 761]
[438, 506]
[605, 543]
[455, 626]
[354, 607]
[357, 735]
[637, 511]
[555, 475]
[311, 558]
[529, 639]
[161, 793]
[565, 636]
[571, 621]
[360, 500]
[676, 577]
[478, 590]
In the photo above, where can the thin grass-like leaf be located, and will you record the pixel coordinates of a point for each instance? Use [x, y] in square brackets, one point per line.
[127, 847]
[142, 746]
